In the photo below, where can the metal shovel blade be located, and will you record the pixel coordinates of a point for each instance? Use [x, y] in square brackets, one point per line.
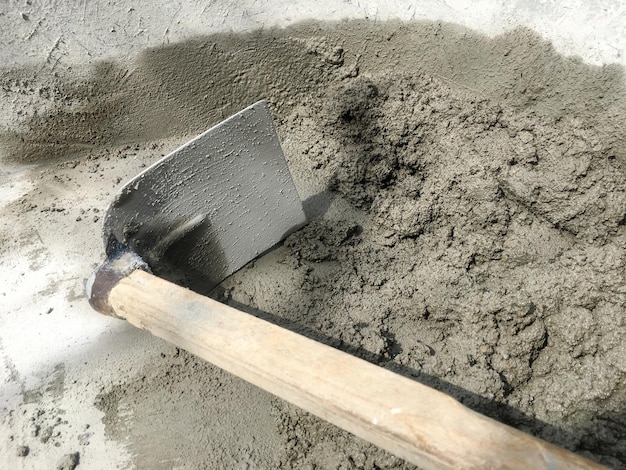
[211, 206]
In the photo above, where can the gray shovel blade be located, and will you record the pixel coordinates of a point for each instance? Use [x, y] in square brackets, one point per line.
[211, 206]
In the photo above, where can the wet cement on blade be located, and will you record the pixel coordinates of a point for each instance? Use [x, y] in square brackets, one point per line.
[467, 198]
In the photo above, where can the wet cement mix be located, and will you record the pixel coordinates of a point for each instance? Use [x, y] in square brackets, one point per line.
[467, 207]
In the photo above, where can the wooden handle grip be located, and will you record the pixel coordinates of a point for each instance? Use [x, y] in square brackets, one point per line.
[410, 420]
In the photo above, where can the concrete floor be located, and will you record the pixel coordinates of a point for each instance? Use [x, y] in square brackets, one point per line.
[55, 353]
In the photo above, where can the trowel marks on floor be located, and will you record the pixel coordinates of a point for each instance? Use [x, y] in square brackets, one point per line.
[472, 234]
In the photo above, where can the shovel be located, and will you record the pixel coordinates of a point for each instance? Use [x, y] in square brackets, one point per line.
[205, 211]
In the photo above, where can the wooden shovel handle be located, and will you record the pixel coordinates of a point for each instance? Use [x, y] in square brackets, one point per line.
[408, 419]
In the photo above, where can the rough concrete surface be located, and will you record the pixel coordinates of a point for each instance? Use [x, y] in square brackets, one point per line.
[466, 196]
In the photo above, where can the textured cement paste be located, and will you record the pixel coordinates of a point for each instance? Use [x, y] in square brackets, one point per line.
[467, 199]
